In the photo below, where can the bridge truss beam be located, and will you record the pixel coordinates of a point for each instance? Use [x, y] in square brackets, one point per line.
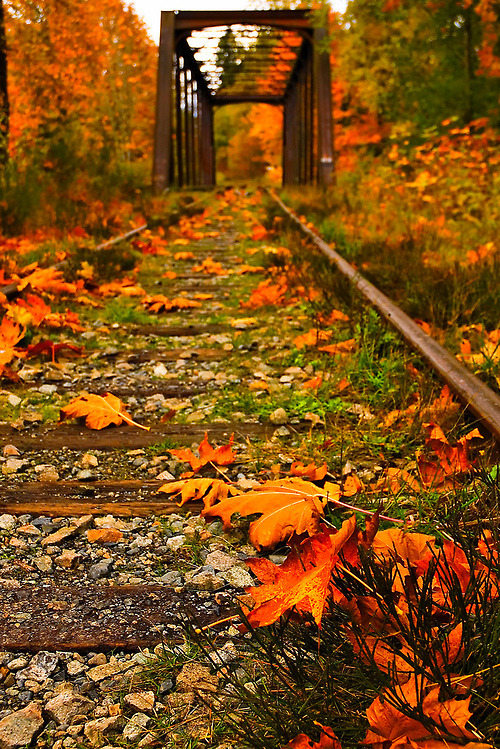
[184, 153]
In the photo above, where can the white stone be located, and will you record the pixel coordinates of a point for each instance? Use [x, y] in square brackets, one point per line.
[160, 370]
[12, 465]
[238, 577]
[279, 416]
[220, 561]
[7, 522]
[136, 727]
[175, 542]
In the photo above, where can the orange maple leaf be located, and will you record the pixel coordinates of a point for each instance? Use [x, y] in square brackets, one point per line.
[343, 347]
[328, 740]
[47, 279]
[266, 294]
[258, 232]
[286, 508]
[10, 334]
[161, 303]
[387, 723]
[303, 581]
[452, 460]
[310, 471]
[211, 267]
[209, 490]
[220, 456]
[313, 338]
[99, 411]
[313, 383]
[125, 287]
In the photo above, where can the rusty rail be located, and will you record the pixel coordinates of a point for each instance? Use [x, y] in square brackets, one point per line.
[471, 391]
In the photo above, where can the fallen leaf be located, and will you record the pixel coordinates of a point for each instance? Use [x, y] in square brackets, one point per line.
[10, 334]
[209, 490]
[211, 267]
[221, 456]
[313, 338]
[312, 384]
[352, 485]
[99, 411]
[343, 347]
[390, 724]
[303, 581]
[285, 509]
[244, 322]
[310, 471]
[258, 232]
[328, 740]
[53, 349]
[161, 303]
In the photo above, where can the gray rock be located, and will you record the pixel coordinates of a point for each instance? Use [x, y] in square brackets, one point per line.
[40, 666]
[194, 677]
[74, 668]
[171, 578]
[65, 706]
[100, 569]
[175, 543]
[43, 564]
[60, 535]
[86, 475]
[219, 560]
[13, 465]
[16, 664]
[99, 673]
[281, 432]
[19, 728]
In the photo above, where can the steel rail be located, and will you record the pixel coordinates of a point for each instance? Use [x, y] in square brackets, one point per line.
[121, 238]
[472, 391]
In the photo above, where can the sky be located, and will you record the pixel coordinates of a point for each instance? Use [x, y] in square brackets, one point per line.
[150, 10]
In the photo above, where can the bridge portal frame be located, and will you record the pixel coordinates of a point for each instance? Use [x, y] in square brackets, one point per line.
[184, 153]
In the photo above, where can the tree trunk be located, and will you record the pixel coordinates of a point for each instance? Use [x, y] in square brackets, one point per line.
[4, 94]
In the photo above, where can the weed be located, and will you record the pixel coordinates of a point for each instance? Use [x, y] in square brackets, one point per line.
[124, 312]
[166, 444]
[292, 676]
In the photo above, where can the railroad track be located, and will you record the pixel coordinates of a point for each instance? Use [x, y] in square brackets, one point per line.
[473, 393]
[59, 591]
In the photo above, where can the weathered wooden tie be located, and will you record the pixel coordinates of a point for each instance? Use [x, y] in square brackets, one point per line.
[96, 617]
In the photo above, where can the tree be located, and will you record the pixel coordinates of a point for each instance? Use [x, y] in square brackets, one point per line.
[4, 94]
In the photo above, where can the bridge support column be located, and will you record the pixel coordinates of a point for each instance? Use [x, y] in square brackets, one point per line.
[291, 155]
[162, 156]
[326, 165]
[206, 141]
